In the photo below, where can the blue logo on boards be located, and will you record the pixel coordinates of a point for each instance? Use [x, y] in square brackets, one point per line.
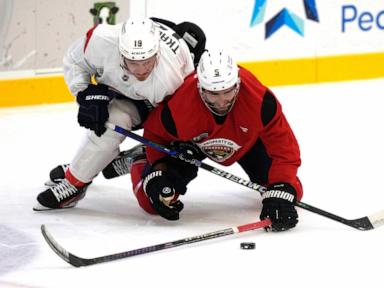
[352, 17]
[284, 17]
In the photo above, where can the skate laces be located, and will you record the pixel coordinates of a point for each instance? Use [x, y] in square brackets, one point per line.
[122, 165]
[64, 190]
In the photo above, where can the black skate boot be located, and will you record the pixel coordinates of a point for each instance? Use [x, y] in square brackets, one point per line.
[59, 196]
[121, 165]
[57, 175]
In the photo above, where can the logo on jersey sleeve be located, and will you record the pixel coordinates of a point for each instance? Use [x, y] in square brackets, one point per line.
[219, 149]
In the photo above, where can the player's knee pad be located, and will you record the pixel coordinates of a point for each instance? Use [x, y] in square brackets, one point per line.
[124, 114]
[109, 141]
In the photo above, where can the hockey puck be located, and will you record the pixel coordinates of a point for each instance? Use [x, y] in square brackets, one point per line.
[247, 245]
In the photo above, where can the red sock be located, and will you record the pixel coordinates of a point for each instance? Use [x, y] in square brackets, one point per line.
[73, 180]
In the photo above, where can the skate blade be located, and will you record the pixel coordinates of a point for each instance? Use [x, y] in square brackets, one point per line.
[38, 207]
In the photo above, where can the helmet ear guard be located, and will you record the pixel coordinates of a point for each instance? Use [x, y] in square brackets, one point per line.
[139, 39]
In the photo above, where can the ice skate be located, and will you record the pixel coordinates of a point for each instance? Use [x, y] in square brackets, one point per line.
[59, 196]
[121, 165]
[57, 175]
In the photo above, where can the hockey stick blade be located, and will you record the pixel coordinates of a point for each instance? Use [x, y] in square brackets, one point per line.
[61, 252]
[78, 261]
[377, 219]
[370, 222]
[363, 224]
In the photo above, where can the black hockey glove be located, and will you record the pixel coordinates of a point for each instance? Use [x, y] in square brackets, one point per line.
[183, 171]
[278, 205]
[188, 150]
[161, 193]
[93, 110]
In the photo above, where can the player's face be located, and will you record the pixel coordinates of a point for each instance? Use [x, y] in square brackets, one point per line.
[141, 69]
[220, 101]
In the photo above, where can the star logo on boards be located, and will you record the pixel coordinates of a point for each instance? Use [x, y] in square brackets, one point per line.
[283, 17]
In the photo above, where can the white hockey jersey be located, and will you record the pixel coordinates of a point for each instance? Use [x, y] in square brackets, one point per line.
[97, 54]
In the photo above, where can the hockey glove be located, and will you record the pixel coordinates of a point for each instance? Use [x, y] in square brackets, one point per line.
[182, 171]
[278, 205]
[188, 150]
[162, 195]
[93, 110]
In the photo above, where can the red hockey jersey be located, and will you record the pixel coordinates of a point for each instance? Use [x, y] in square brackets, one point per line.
[185, 117]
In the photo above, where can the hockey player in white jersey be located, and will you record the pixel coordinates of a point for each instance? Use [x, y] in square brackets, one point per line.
[135, 64]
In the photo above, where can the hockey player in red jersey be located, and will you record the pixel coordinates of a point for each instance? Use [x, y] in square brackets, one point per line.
[224, 113]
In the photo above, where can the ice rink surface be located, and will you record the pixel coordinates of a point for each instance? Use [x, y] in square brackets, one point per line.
[339, 127]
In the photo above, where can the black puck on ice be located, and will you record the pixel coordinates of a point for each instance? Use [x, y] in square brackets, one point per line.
[247, 245]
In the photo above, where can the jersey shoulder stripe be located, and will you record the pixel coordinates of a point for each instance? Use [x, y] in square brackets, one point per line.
[88, 36]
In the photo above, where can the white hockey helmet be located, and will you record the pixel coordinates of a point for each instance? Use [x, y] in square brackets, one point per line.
[139, 39]
[217, 71]
[218, 81]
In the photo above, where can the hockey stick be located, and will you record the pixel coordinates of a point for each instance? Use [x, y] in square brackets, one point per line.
[364, 223]
[78, 261]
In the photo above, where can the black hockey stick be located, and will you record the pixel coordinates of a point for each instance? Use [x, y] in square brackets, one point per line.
[78, 261]
[364, 223]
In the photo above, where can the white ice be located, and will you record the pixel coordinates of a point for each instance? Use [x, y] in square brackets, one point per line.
[340, 130]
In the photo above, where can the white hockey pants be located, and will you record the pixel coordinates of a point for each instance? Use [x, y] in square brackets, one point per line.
[96, 153]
